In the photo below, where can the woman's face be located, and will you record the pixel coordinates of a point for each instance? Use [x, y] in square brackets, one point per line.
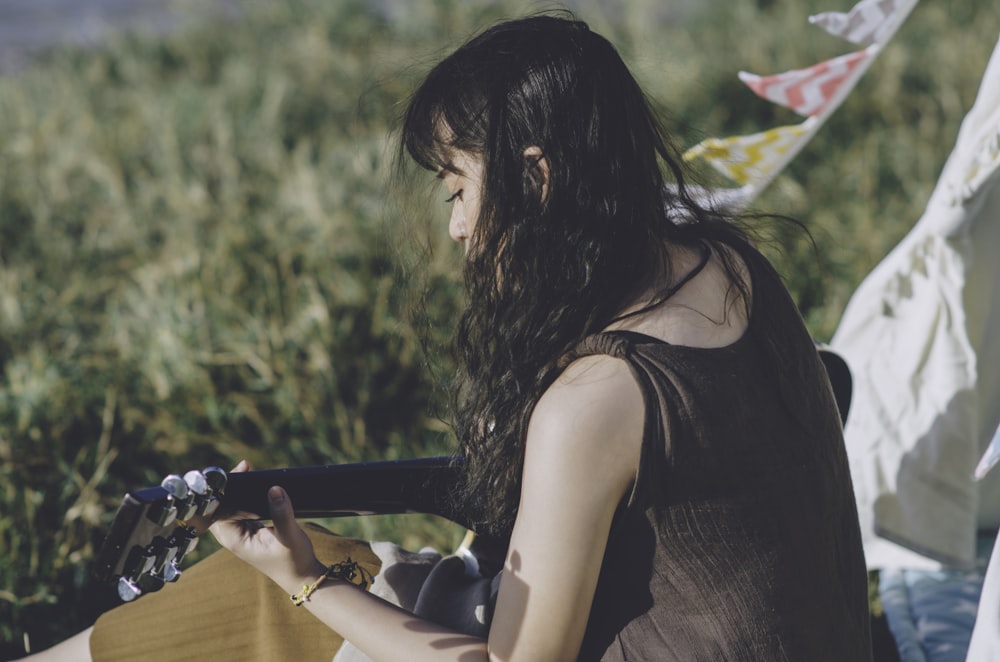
[464, 181]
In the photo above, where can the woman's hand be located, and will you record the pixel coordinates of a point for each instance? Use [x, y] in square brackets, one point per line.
[281, 551]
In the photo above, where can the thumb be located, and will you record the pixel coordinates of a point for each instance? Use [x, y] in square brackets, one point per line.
[288, 532]
[283, 516]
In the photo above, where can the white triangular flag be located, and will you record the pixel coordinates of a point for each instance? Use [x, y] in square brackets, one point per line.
[869, 22]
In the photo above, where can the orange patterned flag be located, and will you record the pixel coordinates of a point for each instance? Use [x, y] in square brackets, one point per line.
[807, 91]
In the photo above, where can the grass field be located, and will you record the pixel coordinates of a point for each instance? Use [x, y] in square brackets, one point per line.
[202, 258]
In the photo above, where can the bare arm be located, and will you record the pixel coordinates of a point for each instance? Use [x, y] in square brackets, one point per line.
[581, 456]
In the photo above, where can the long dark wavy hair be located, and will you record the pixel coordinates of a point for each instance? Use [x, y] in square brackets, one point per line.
[544, 271]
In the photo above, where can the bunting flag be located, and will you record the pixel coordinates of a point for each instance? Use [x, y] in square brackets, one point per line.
[869, 22]
[750, 159]
[815, 92]
[807, 91]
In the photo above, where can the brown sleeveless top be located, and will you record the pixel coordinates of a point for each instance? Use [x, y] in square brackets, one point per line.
[740, 539]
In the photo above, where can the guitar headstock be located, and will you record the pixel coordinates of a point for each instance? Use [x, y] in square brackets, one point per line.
[151, 532]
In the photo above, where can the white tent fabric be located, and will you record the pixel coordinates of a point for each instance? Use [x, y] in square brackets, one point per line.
[922, 338]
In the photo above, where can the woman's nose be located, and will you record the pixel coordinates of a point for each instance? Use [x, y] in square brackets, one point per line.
[457, 226]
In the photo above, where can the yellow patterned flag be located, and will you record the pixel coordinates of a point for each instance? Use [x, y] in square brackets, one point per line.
[752, 159]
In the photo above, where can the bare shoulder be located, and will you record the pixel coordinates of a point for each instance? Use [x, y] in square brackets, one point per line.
[592, 417]
[594, 390]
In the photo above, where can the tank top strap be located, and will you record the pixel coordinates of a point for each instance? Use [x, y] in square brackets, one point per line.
[614, 344]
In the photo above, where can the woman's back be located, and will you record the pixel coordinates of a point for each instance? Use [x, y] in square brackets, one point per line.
[740, 540]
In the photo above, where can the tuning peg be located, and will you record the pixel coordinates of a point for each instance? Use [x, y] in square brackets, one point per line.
[162, 514]
[216, 478]
[168, 561]
[176, 486]
[182, 494]
[203, 486]
[196, 481]
[139, 561]
[171, 572]
[209, 507]
[128, 590]
[183, 541]
[134, 580]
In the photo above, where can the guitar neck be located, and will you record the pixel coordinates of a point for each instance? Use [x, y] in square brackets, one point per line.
[423, 485]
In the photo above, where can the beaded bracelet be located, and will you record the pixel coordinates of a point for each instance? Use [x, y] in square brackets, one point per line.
[347, 570]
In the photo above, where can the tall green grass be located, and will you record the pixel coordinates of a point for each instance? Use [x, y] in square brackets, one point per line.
[201, 258]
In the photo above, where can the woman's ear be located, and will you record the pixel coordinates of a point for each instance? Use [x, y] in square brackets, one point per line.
[537, 168]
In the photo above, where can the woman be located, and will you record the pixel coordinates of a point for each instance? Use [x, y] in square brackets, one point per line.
[641, 409]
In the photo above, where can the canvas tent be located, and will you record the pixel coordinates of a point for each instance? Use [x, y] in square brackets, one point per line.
[922, 338]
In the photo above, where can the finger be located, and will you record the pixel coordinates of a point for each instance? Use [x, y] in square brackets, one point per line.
[241, 467]
[283, 515]
[286, 528]
[288, 532]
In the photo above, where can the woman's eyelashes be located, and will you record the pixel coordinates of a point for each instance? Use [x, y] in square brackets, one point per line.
[456, 196]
